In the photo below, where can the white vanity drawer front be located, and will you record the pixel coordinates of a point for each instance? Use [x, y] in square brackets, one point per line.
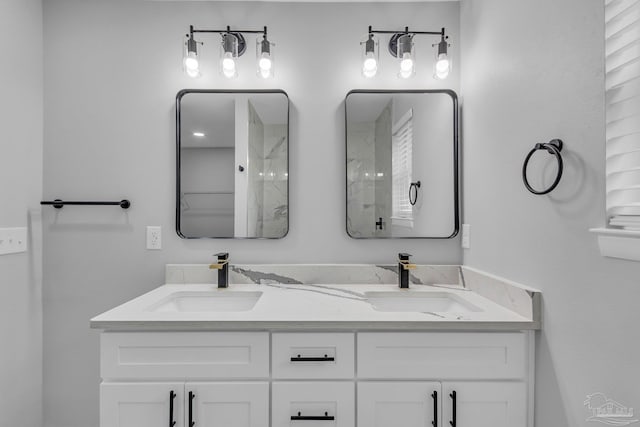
[184, 355]
[317, 404]
[313, 355]
[441, 355]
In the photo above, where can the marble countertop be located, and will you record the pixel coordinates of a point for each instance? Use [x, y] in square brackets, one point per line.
[312, 307]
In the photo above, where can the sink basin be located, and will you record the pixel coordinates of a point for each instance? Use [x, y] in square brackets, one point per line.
[433, 302]
[183, 302]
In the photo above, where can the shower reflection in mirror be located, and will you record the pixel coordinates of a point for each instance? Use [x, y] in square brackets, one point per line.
[232, 179]
[402, 174]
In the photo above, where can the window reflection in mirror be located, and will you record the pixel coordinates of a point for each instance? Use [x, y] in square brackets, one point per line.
[232, 164]
[402, 164]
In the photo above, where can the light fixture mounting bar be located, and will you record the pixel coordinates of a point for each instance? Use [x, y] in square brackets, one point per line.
[406, 31]
[228, 30]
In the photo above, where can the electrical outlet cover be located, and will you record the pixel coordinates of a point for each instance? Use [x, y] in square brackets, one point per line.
[154, 237]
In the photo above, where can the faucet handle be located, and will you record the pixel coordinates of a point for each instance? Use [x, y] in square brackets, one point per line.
[223, 259]
[404, 260]
[219, 266]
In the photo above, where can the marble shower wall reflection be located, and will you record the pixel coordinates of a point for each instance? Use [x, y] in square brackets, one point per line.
[267, 168]
[275, 205]
[369, 176]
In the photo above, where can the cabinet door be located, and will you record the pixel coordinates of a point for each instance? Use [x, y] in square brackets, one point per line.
[393, 404]
[313, 404]
[227, 404]
[484, 404]
[141, 404]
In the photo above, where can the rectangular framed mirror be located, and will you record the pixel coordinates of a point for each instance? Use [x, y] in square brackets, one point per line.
[402, 164]
[232, 164]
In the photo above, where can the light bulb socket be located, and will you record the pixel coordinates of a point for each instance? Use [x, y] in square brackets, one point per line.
[400, 43]
[405, 44]
[192, 45]
[370, 44]
[234, 42]
[442, 46]
[229, 42]
[265, 46]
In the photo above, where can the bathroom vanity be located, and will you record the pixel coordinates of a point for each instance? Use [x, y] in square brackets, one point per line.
[268, 352]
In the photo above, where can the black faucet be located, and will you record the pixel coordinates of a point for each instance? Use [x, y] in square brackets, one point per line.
[404, 265]
[223, 269]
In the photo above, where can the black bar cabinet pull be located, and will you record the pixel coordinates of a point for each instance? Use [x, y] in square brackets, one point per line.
[300, 417]
[172, 396]
[58, 204]
[453, 410]
[435, 408]
[191, 422]
[326, 358]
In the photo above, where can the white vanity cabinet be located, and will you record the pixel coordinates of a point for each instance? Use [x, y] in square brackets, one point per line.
[443, 379]
[228, 404]
[141, 404]
[317, 379]
[484, 404]
[208, 378]
[399, 403]
[180, 404]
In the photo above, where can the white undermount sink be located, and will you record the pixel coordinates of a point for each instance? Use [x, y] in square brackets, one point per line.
[407, 301]
[212, 301]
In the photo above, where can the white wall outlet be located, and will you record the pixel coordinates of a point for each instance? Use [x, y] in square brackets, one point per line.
[466, 236]
[154, 237]
[13, 240]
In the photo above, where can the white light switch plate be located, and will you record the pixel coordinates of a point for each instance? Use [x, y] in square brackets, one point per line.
[13, 240]
[154, 237]
[466, 236]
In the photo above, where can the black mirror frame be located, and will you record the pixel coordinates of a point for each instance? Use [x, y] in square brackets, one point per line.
[456, 160]
[179, 96]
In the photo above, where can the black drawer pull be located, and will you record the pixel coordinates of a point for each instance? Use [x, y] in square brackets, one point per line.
[300, 417]
[326, 358]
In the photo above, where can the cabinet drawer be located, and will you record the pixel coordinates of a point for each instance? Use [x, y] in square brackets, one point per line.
[440, 355]
[184, 355]
[313, 355]
[317, 404]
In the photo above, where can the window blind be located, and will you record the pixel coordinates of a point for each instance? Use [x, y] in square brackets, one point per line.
[622, 83]
[401, 162]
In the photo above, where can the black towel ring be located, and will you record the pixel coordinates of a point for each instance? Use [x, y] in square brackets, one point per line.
[413, 186]
[553, 147]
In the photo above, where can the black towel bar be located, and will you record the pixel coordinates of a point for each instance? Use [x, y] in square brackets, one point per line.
[58, 204]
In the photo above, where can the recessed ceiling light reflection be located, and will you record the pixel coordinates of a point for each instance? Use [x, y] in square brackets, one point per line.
[199, 134]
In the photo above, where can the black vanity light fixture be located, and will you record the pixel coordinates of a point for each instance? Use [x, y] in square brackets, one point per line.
[232, 46]
[401, 46]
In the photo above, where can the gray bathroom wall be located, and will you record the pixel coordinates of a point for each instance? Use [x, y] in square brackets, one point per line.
[20, 191]
[112, 70]
[533, 71]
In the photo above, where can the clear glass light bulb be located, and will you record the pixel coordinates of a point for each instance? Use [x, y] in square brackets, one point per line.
[370, 65]
[406, 66]
[228, 65]
[191, 64]
[407, 63]
[265, 65]
[265, 62]
[443, 66]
